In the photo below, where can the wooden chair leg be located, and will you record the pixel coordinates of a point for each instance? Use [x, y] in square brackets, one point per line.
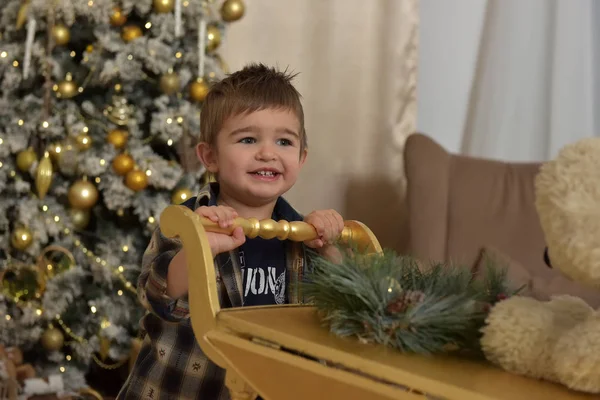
[238, 389]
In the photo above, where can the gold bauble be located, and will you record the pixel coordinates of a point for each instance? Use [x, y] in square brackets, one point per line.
[232, 10]
[117, 137]
[66, 89]
[169, 83]
[136, 180]
[55, 150]
[164, 6]
[117, 18]
[80, 218]
[213, 37]
[122, 164]
[54, 260]
[131, 32]
[83, 195]
[180, 195]
[43, 176]
[21, 238]
[61, 34]
[198, 90]
[25, 159]
[52, 339]
[23, 282]
[83, 141]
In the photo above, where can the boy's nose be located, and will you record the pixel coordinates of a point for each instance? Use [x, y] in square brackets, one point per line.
[265, 153]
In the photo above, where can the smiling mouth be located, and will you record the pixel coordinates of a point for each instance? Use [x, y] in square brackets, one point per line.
[265, 174]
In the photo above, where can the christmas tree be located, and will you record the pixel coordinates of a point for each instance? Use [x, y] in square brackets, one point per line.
[99, 111]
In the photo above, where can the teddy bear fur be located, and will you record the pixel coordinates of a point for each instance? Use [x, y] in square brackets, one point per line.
[558, 340]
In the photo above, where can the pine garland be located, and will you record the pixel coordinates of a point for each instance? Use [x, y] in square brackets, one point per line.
[392, 300]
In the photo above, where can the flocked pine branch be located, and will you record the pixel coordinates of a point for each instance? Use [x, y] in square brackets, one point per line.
[398, 302]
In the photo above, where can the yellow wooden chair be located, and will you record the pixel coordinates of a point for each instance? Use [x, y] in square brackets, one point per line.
[271, 351]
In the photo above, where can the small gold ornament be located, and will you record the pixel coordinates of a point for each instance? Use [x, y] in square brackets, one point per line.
[122, 164]
[55, 150]
[117, 18]
[52, 339]
[89, 48]
[25, 159]
[83, 141]
[169, 83]
[21, 238]
[80, 218]
[198, 90]
[43, 176]
[181, 195]
[54, 260]
[83, 194]
[119, 112]
[117, 137]
[213, 38]
[131, 32]
[22, 282]
[22, 14]
[232, 10]
[164, 6]
[61, 34]
[67, 88]
[136, 180]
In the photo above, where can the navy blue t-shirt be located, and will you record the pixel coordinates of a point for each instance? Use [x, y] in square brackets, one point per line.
[263, 272]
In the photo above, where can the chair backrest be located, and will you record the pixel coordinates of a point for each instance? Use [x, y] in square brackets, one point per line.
[459, 204]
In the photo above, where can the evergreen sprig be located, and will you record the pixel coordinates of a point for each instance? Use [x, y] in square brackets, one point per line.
[396, 301]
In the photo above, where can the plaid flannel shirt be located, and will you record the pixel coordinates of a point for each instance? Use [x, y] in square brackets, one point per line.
[170, 364]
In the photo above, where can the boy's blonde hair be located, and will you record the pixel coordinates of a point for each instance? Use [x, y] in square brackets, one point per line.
[255, 87]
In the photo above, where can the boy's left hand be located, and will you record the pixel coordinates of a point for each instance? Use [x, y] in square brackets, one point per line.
[328, 224]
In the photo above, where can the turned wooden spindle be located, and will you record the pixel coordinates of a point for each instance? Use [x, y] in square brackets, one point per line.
[296, 231]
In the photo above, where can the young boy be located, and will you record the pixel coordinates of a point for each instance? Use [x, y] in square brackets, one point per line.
[253, 140]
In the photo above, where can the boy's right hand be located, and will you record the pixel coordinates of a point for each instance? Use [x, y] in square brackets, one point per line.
[224, 216]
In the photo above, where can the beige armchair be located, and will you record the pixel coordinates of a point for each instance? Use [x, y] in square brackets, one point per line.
[461, 208]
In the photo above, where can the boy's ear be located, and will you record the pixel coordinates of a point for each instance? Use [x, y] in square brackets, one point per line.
[207, 156]
[303, 154]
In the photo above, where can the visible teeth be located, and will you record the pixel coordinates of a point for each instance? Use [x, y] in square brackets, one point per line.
[265, 173]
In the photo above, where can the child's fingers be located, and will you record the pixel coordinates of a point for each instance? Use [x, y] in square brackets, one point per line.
[208, 212]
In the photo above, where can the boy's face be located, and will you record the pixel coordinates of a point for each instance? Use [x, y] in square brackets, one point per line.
[256, 155]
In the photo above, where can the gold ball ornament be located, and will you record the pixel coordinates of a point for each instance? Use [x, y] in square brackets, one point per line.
[136, 180]
[67, 88]
[122, 164]
[82, 195]
[79, 217]
[232, 10]
[25, 159]
[163, 6]
[23, 282]
[52, 339]
[117, 137]
[131, 32]
[213, 37]
[83, 141]
[180, 195]
[21, 238]
[198, 90]
[43, 176]
[170, 83]
[117, 18]
[55, 150]
[61, 34]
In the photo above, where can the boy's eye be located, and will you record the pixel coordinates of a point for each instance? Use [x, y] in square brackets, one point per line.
[284, 142]
[248, 140]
